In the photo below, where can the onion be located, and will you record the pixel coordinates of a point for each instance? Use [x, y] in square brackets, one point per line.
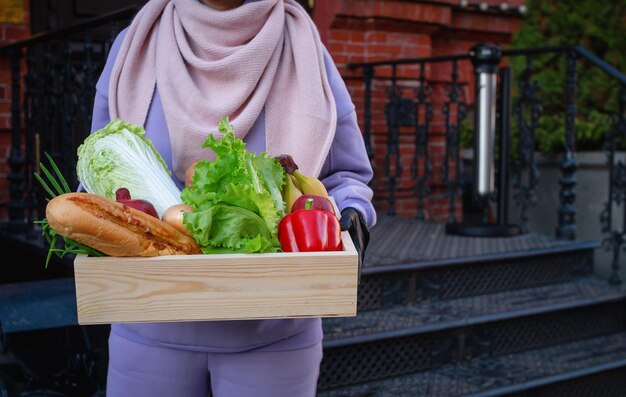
[174, 216]
[122, 195]
[189, 173]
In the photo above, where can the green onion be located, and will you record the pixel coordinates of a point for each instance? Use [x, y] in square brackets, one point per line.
[60, 186]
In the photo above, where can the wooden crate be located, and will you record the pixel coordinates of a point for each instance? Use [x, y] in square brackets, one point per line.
[217, 287]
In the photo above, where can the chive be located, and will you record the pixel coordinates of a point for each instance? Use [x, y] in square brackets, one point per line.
[58, 184]
[51, 179]
[45, 185]
[58, 173]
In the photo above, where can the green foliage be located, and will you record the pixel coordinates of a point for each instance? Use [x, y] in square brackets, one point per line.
[597, 26]
[55, 184]
[466, 132]
[236, 198]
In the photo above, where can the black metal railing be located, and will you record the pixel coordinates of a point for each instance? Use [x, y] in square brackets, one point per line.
[53, 79]
[415, 112]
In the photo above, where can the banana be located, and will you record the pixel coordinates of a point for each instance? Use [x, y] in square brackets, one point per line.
[290, 194]
[295, 182]
[310, 185]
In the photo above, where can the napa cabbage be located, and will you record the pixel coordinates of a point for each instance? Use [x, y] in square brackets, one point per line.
[120, 155]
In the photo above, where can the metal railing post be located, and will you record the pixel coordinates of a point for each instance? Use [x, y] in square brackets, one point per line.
[17, 205]
[567, 212]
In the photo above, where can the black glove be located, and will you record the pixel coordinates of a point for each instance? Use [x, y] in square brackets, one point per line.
[352, 221]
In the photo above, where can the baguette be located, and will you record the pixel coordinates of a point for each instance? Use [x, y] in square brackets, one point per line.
[113, 228]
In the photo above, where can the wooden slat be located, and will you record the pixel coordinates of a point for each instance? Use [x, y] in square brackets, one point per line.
[215, 287]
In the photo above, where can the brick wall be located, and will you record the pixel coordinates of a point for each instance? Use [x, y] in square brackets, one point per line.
[9, 32]
[372, 30]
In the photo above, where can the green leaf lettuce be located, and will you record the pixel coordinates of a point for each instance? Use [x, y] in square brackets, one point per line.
[236, 198]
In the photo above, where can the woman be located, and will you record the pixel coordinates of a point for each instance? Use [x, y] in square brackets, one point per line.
[180, 67]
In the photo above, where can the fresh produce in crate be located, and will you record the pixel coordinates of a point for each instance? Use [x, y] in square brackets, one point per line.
[233, 204]
[311, 223]
[174, 216]
[298, 187]
[120, 156]
[114, 228]
[319, 203]
[55, 185]
[122, 195]
[306, 184]
[310, 230]
[236, 198]
[290, 193]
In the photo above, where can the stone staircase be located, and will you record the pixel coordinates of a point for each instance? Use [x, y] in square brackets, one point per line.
[438, 316]
[446, 315]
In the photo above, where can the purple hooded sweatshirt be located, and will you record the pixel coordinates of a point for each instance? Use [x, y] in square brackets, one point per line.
[346, 173]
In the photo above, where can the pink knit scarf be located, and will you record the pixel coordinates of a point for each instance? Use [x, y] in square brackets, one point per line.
[210, 64]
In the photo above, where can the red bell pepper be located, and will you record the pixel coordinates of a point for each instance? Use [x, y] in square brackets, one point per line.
[308, 230]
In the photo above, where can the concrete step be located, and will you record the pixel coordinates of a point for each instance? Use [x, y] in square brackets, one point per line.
[35, 305]
[411, 261]
[399, 243]
[589, 367]
[406, 339]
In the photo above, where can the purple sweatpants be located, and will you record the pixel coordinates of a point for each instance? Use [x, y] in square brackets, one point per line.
[139, 370]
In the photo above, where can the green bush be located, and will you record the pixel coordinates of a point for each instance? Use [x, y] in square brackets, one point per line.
[598, 26]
